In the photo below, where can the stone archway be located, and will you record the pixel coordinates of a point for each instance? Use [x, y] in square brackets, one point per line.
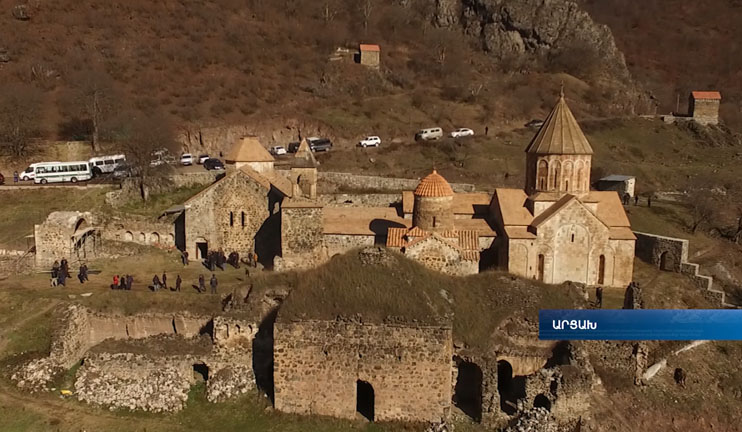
[541, 401]
[468, 390]
[666, 261]
[154, 238]
[128, 236]
[511, 388]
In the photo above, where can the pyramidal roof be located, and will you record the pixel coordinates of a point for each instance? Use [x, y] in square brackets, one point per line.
[249, 149]
[560, 133]
[305, 152]
[433, 185]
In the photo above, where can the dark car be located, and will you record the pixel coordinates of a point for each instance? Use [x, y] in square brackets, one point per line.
[294, 147]
[2, 179]
[213, 164]
[319, 144]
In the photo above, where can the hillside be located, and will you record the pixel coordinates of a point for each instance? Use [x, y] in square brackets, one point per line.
[275, 66]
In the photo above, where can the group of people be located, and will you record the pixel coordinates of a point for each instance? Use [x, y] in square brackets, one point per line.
[122, 282]
[626, 199]
[61, 272]
[213, 283]
[216, 259]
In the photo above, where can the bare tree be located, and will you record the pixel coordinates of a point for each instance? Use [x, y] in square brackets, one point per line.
[20, 116]
[92, 97]
[330, 9]
[140, 135]
[702, 207]
[367, 7]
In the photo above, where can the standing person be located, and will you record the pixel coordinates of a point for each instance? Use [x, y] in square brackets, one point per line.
[636, 199]
[84, 270]
[156, 283]
[249, 259]
[55, 269]
[255, 260]
[213, 282]
[61, 278]
[122, 283]
[64, 267]
[15, 177]
[80, 275]
[129, 281]
[178, 281]
[184, 255]
[115, 283]
[486, 130]
[599, 297]
[649, 200]
[164, 280]
[201, 283]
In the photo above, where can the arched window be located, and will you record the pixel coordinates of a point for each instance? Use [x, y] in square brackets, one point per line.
[567, 174]
[542, 175]
[540, 268]
[231, 218]
[243, 219]
[579, 177]
[557, 176]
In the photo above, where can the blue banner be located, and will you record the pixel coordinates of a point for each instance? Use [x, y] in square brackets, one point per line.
[640, 324]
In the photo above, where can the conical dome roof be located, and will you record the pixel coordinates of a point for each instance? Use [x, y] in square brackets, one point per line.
[560, 134]
[249, 149]
[433, 185]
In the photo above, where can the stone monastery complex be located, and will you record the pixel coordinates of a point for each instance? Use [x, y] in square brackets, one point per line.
[554, 230]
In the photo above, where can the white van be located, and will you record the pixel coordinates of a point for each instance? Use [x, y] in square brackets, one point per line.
[30, 172]
[106, 164]
[429, 134]
[55, 172]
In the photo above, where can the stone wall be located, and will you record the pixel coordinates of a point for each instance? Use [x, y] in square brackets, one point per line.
[705, 111]
[301, 230]
[342, 243]
[140, 230]
[195, 178]
[671, 254]
[360, 200]
[318, 365]
[333, 182]
[54, 237]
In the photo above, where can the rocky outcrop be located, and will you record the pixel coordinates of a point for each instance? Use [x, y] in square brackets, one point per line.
[533, 29]
[534, 420]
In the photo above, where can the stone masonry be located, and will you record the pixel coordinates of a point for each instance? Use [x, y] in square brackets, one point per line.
[409, 369]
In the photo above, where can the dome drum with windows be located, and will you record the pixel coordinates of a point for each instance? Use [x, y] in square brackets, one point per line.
[433, 209]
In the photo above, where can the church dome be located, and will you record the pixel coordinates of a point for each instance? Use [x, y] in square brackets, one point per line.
[433, 185]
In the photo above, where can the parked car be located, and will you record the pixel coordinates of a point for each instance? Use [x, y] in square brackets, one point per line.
[123, 170]
[294, 146]
[2, 179]
[213, 164]
[370, 141]
[535, 124]
[429, 134]
[462, 132]
[202, 158]
[186, 159]
[277, 150]
[319, 144]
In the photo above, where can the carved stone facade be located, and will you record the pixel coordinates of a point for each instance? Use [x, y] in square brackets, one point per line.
[333, 368]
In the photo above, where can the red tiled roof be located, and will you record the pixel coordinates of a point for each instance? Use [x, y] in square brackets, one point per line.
[706, 95]
[370, 47]
[433, 185]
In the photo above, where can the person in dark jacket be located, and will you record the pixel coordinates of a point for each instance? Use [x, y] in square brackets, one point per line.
[129, 281]
[164, 280]
[178, 282]
[156, 283]
[213, 282]
[122, 283]
[55, 269]
[84, 270]
[201, 283]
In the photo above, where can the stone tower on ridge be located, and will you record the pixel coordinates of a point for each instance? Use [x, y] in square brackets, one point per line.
[559, 156]
[433, 209]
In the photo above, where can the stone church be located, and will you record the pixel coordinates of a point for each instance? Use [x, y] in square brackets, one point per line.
[554, 230]
[557, 229]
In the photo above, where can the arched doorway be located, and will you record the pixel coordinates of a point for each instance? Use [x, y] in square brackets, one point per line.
[128, 236]
[141, 238]
[468, 390]
[154, 238]
[365, 399]
[201, 372]
[666, 261]
[511, 388]
[541, 401]
[80, 224]
[601, 270]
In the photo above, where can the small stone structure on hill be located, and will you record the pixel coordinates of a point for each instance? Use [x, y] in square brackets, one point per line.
[369, 55]
[703, 107]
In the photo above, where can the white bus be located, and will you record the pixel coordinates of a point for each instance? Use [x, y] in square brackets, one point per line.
[106, 164]
[55, 172]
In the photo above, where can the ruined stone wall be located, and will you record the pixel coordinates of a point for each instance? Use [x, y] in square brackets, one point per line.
[342, 243]
[301, 230]
[141, 231]
[360, 200]
[651, 248]
[333, 182]
[436, 255]
[318, 363]
[53, 237]
[195, 178]
[228, 215]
